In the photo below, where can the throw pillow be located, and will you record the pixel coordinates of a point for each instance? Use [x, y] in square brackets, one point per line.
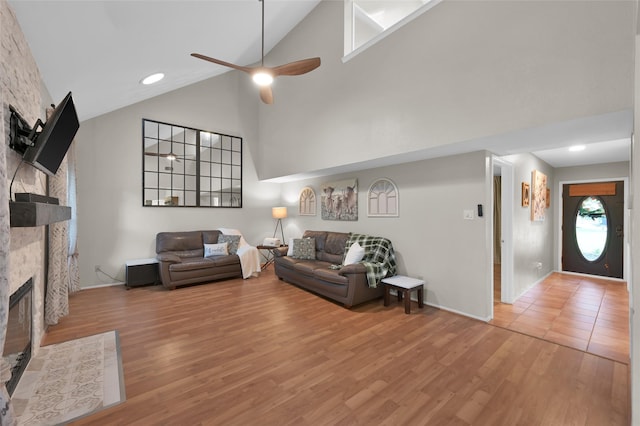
[215, 250]
[304, 248]
[290, 249]
[232, 242]
[354, 255]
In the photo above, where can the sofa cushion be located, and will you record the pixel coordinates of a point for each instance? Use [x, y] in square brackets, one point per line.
[190, 264]
[232, 259]
[304, 248]
[180, 241]
[320, 237]
[220, 249]
[336, 242]
[199, 252]
[330, 275]
[210, 237]
[232, 242]
[305, 268]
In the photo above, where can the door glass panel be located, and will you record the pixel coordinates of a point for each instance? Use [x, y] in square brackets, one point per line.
[591, 228]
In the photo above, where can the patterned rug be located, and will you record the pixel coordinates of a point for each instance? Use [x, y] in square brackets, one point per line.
[69, 380]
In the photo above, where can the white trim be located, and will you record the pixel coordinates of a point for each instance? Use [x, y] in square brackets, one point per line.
[101, 285]
[348, 25]
[444, 308]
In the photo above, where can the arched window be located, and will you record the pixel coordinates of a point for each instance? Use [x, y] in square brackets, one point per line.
[382, 199]
[307, 202]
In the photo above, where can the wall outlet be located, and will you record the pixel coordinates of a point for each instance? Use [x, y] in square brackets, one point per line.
[539, 265]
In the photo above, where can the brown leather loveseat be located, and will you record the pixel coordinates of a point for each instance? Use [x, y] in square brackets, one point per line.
[182, 261]
[347, 284]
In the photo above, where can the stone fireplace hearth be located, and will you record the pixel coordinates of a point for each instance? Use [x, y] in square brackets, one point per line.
[17, 345]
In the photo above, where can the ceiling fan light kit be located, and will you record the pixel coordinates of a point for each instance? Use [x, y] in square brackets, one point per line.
[264, 76]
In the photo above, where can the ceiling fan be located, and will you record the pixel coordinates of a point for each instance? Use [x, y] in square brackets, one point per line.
[169, 156]
[263, 76]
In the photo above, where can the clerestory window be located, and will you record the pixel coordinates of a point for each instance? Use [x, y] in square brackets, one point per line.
[367, 21]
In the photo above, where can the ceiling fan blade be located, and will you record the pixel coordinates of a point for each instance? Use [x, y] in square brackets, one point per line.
[168, 155]
[219, 62]
[297, 67]
[266, 94]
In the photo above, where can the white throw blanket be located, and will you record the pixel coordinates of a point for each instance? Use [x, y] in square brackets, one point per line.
[248, 254]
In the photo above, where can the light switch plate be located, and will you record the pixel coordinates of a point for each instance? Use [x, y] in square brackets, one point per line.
[468, 214]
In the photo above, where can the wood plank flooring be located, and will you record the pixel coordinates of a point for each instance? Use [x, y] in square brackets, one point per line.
[264, 352]
[582, 312]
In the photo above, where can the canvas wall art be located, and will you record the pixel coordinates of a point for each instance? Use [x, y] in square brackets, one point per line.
[538, 195]
[339, 200]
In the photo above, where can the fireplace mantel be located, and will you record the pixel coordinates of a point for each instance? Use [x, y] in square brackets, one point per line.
[25, 214]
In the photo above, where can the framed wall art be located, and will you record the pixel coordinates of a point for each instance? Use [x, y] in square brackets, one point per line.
[525, 194]
[307, 202]
[548, 203]
[339, 200]
[382, 199]
[538, 195]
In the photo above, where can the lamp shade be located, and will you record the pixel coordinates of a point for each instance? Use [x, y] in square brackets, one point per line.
[279, 212]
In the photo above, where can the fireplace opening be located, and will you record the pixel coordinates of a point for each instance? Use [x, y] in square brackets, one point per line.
[17, 345]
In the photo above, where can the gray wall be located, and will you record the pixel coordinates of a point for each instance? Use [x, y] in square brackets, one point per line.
[532, 241]
[430, 236]
[462, 71]
[113, 226]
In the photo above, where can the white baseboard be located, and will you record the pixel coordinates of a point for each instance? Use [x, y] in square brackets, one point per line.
[101, 285]
[444, 308]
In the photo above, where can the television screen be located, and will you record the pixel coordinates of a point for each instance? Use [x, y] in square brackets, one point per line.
[51, 144]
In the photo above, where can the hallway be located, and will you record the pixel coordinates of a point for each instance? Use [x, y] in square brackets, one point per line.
[582, 312]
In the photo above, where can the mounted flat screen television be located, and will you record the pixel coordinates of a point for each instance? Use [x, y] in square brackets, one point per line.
[50, 145]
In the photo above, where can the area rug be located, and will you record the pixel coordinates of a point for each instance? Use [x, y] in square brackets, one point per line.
[69, 380]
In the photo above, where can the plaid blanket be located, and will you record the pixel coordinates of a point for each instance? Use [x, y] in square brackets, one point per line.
[379, 257]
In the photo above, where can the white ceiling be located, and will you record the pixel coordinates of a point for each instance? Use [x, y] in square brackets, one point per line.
[101, 49]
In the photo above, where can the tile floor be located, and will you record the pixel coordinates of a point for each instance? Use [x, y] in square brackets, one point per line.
[586, 313]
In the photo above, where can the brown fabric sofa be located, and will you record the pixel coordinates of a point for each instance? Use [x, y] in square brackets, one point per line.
[347, 285]
[182, 261]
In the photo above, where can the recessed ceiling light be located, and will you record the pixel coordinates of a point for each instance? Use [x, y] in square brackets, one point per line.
[153, 78]
[577, 148]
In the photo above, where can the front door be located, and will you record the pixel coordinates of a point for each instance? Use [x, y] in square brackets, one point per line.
[592, 228]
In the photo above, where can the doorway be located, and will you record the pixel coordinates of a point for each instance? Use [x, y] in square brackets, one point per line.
[502, 190]
[593, 228]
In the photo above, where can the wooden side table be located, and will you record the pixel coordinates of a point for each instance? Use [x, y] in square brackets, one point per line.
[270, 256]
[404, 286]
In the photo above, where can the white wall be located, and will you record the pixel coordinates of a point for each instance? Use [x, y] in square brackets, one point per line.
[461, 71]
[113, 226]
[430, 236]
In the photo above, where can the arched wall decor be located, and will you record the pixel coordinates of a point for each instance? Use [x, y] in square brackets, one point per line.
[382, 199]
[307, 203]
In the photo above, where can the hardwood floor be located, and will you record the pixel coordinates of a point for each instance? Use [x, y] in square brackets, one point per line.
[581, 312]
[265, 352]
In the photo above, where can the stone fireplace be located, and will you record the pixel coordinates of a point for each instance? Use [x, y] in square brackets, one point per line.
[17, 345]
